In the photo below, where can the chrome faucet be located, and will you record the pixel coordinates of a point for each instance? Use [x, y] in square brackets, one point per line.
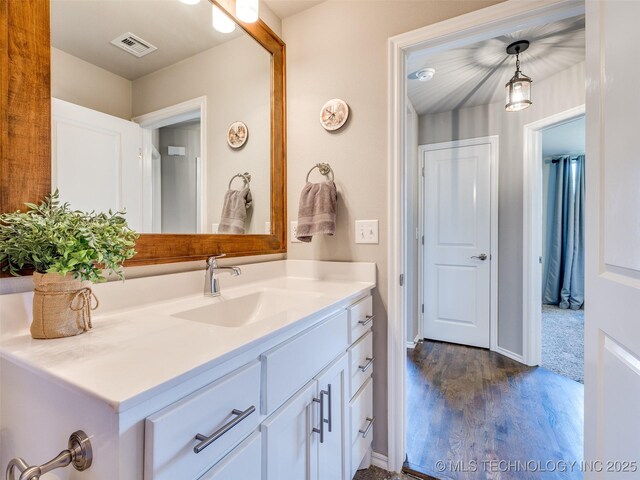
[211, 281]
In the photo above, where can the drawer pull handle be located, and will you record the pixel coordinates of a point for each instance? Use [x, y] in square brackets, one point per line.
[329, 420]
[366, 366]
[368, 319]
[365, 431]
[206, 441]
[320, 430]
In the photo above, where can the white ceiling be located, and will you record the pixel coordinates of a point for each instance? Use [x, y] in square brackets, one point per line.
[476, 74]
[84, 28]
[286, 8]
[563, 139]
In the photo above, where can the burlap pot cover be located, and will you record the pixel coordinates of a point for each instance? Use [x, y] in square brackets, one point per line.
[61, 306]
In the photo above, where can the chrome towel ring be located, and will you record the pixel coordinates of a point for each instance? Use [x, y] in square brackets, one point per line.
[324, 168]
[246, 176]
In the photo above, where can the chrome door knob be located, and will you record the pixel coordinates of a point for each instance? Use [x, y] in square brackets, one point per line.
[482, 256]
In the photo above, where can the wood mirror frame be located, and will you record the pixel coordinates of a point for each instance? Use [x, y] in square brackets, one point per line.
[25, 129]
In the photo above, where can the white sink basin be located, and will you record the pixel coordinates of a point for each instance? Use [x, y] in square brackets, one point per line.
[246, 309]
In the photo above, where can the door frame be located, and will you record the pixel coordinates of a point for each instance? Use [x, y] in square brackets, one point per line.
[532, 226]
[480, 25]
[180, 112]
[493, 141]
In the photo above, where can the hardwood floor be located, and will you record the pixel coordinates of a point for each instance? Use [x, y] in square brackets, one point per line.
[486, 416]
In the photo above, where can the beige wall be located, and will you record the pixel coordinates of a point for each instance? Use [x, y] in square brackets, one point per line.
[339, 49]
[555, 94]
[82, 83]
[235, 78]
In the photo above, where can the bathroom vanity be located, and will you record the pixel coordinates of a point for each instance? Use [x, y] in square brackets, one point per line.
[272, 380]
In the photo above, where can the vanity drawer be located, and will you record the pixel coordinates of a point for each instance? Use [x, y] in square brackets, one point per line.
[289, 367]
[361, 434]
[361, 361]
[360, 318]
[243, 463]
[229, 407]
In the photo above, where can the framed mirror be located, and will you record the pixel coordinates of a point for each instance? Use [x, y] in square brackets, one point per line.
[151, 109]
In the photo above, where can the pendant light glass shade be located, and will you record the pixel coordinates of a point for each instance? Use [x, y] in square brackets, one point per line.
[518, 89]
[248, 10]
[518, 92]
[221, 22]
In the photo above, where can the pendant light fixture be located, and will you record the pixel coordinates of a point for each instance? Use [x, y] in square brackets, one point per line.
[221, 22]
[248, 10]
[518, 89]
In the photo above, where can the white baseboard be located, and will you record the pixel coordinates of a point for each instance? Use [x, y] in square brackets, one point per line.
[379, 460]
[414, 343]
[510, 354]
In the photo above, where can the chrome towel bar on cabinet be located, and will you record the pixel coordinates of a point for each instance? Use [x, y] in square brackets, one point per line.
[79, 454]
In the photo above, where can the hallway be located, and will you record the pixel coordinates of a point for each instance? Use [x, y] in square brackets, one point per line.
[475, 414]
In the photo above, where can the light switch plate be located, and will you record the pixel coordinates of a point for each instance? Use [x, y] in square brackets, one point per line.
[267, 228]
[294, 232]
[366, 231]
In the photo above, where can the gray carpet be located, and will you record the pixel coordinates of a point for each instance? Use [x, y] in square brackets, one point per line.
[563, 341]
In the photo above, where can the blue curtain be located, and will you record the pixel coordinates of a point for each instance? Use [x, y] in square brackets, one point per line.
[564, 282]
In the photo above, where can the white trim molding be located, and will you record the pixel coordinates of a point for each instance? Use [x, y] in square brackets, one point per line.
[531, 237]
[413, 343]
[509, 354]
[379, 460]
[180, 112]
[480, 25]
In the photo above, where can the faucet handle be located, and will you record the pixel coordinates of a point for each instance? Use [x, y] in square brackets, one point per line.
[211, 261]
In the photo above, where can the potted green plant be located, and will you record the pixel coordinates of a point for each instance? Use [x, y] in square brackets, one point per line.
[68, 250]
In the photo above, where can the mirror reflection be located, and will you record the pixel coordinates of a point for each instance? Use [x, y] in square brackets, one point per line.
[156, 112]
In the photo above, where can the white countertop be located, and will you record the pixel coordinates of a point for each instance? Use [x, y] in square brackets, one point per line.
[136, 351]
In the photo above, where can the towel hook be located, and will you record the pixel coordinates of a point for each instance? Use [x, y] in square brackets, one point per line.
[324, 168]
[79, 454]
[246, 176]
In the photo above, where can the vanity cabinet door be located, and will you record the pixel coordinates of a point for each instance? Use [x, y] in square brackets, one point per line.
[333, 385]
[291, 445]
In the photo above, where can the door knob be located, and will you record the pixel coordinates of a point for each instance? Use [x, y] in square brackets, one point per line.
[482, 256]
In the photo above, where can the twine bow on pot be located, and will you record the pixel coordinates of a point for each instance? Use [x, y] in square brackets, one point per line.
[84, 295]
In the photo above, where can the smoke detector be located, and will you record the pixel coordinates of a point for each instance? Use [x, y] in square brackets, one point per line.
[424, 74]
[133, 44]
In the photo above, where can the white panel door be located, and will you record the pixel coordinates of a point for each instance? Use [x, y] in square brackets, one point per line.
[291, 445]
[457, 243]
[612, 282]
[95, 160]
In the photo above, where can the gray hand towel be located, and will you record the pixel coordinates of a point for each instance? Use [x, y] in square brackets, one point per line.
[317, 210]
[234, 211]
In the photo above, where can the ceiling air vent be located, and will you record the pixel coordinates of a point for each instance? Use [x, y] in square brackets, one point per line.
[133, 44]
